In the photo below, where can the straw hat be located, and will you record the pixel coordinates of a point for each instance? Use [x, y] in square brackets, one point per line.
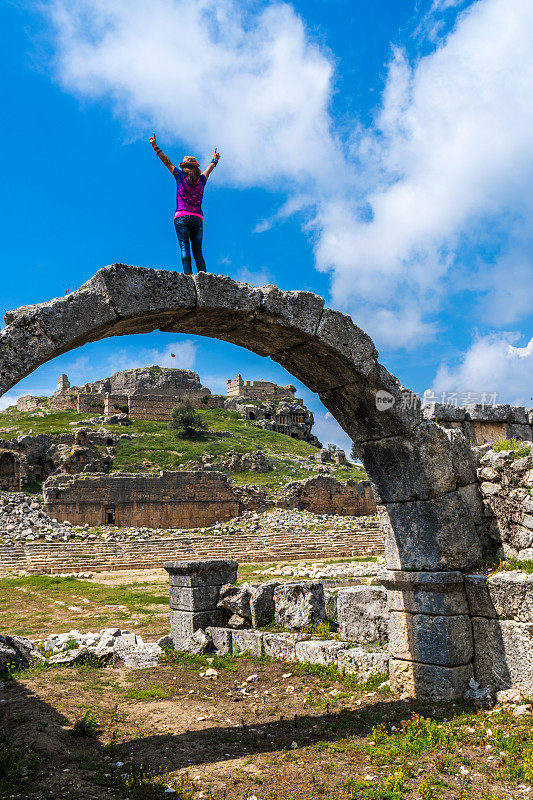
[189, 161]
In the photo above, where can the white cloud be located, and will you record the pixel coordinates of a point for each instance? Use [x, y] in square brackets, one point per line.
[9, 400]
[85, 370]
[447, 164]
[494, 363]
[328, 430]
[258, 277]
[205, 73]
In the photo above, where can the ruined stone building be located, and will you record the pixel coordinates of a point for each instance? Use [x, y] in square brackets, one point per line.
[258, 390]
[161, 500]
[32, 459]
[152, 393]
[271, 407]
[145, 393]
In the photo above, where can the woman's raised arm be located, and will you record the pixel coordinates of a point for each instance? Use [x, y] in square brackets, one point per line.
[159, 153]
[211, 166]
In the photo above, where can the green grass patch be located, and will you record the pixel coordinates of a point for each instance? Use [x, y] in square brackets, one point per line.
[54, 587]
[86, 725]
[157, 444]
[149, 692]
[514, 563]
[17, 766]
[518, 448]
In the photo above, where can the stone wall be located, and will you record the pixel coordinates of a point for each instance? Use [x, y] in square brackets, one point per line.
[501, 608]
[160, 407]
[258, 390]
[506, 485]
[12, 470]
[165, 500]
[90, 403]
[326, 495]
[484, 423]
[28, 403]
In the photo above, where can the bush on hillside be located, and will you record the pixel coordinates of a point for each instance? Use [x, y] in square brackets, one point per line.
[186, 422]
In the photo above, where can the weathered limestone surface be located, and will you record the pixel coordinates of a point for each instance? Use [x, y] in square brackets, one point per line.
[437, 593]
[483, 423]
[236, 600]
[363, 662]
[362, 614]
[197, 584]
[504, 653]
[197, 598]
[281, 645]
[503, 595]
[184, 623]
[431, 639]
[506, 483]
[211, 572]
[248, 642]
[429, 681]
[221, 638]
[315, 651]
[437, 534]
[262, 606]
[299, 604]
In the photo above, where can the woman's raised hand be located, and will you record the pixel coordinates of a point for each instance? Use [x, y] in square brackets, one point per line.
[152, 140]
[216, 154]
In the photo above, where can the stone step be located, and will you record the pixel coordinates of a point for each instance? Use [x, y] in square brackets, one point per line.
[247, 547]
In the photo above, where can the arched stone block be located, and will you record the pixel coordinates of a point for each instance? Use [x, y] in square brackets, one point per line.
[417, 469]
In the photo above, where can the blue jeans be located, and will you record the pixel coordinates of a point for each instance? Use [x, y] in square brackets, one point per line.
[189, 231]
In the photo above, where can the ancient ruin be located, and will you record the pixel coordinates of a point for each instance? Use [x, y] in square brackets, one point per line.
[272, 407]
[167, 500]
[423, 475]
[484, 423]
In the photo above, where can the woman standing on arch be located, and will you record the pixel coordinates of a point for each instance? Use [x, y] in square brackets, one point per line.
[188, 217]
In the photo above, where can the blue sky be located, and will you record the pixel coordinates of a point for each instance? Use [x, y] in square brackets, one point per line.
[379, 154]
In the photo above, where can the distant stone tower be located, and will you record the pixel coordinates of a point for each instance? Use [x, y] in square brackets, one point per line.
[63, 384]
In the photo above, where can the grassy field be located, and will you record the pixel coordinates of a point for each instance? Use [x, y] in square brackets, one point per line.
[155, 446]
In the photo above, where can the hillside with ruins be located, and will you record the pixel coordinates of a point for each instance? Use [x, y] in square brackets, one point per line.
[259, 433]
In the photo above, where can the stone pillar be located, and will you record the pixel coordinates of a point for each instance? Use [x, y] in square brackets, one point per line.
[194, 594]
[430, 634]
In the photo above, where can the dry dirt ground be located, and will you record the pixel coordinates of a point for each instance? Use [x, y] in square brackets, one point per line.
[268, 730]
[257, 729]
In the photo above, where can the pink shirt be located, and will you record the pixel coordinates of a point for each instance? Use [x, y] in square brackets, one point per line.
[188, 198]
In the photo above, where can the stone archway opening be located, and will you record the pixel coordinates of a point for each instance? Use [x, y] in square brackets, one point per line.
[423, 476]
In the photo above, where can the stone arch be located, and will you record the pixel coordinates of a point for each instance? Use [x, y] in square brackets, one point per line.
[423, 476]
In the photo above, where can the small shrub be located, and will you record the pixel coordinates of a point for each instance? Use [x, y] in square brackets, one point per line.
[86, 725]
[518, 448]
[322, 629]
[186, 421]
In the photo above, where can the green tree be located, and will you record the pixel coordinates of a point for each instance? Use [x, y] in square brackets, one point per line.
[332, 447]
[353, 452]
[186, 421]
